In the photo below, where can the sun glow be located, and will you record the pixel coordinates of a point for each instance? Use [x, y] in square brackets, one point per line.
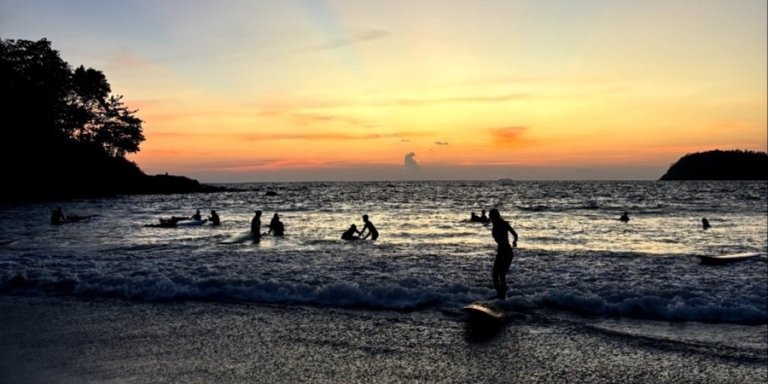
[248, 86]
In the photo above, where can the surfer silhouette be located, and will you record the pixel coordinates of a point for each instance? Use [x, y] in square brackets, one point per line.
[276, 227]
[197, 215]
[351, 233]
[256, 226]
[215, 218]
[500, 231]
[483, 217]
[57, 216]
[372, 232]
[705, 223]
[624, 217]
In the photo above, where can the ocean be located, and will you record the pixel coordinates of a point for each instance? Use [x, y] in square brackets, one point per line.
[577, 268]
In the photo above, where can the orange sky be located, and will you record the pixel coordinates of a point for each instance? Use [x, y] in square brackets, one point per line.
[258, 91]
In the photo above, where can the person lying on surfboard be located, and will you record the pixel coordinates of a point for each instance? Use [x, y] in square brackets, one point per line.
[501, 230]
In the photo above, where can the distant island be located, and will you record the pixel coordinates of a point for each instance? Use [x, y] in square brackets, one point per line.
[720, 165]
[66, 134]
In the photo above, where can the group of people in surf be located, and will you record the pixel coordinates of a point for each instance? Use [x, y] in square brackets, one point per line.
[276, 227]
[704, 222]
[500, 232]
[473, 217]
[174, 220]
[354, 234]
[58, 217]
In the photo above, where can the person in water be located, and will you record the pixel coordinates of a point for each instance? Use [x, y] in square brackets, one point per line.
[473, 217]
[705, 223]
[483, 217]
[57, 216]
[351, 233]
[624, 217]
[197, 215]
[372, 232]
[256, 226]
[500, 231]
[215, 220]
[276, 227]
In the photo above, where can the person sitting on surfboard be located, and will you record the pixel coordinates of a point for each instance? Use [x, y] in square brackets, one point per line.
[624, 217]
[214, 218]
[276, 227]
[57, 216]
[504, 254]
[196, 216]
[372, 232]
[705, 223]
[256, 226]
[351, 233]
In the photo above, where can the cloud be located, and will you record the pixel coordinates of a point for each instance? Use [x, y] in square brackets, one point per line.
[410, 162]
[354, 37]
[457, 99]
[507, 135]
[330, 136]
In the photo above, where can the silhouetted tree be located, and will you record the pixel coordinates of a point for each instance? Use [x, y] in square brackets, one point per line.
[49, 102]
[64, 133]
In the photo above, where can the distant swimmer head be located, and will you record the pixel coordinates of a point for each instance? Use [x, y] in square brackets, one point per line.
[494, 214]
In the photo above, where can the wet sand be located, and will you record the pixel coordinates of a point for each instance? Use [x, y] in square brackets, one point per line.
[63, 340]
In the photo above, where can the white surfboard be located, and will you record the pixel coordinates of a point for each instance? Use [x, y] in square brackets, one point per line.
[483, 311]
[729, 258]
[238, 238]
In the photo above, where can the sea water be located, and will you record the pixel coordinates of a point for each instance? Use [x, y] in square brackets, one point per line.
[575, 260]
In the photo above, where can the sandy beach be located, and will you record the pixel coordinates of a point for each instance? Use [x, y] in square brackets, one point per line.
[65, 340]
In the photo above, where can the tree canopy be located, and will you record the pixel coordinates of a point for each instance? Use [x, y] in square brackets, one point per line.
[65, 134]
[50, 104]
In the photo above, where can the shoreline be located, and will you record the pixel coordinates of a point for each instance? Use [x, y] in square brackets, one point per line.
[70, 340]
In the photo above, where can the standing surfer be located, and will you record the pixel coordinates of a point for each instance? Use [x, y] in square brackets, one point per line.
[256, 226]
[504, 254]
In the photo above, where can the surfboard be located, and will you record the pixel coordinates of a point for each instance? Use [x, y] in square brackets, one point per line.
[191, 223]
[483, 311]
[721, 259]
[238, 238]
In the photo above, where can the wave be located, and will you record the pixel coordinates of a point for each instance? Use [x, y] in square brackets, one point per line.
[652, 306]
[404, 295]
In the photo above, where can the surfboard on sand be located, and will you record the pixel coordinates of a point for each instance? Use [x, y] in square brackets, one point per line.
[238, 238]
[722, 259]
[483, 311]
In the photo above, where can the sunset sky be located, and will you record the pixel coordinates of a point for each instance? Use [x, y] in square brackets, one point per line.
[420, 89]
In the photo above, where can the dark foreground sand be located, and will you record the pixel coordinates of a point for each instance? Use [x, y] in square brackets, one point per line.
[55, 340]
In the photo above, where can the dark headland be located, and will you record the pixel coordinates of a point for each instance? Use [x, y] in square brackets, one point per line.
[65, 134]
[720, 165]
